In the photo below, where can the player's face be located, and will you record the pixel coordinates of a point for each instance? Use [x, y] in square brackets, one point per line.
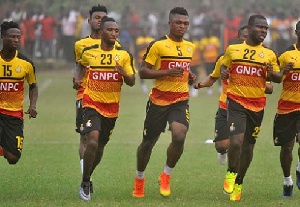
[258, 31]
[95, 20]
[110, 32]
[179, 25]
[11, 39]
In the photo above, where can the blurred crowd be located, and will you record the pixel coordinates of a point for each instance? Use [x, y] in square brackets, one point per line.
[52, 36]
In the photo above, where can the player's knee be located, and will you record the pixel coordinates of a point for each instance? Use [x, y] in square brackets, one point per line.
[286, 149]
[12, 160]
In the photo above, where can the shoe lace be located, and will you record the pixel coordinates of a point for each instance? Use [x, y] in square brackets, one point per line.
[165, 180]
[139, 185]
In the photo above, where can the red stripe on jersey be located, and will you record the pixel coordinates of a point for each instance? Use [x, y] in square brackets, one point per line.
[287, 106]
[110, 110]
[80, 93]
[18, 114]
[253, 104]
[223, 105]
[164, 98]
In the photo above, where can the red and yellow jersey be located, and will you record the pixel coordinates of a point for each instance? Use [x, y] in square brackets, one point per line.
[15, 73]
[209, 47]
[142, 43]
[79, 46]
[217, 74]
[247, 79]
[290, 96]
[102, 83]
[165, 54]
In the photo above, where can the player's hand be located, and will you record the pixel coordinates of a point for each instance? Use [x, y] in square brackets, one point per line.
[269, 68]
[192, 78]
[31, 112]
[289, 66]
[120, 69]
[225, 73]
[76, 85]
[198, 85]
[176, 72]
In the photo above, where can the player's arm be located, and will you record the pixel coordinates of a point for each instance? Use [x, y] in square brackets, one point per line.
[128, 79]
[224, 72]
[272, 75]
[33, 96]
[148, 72]
[79, 72]
[207, 82]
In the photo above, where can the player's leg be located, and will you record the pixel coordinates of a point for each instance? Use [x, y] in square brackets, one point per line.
[298, 141]
[284, 132]
[155, 123]
[221, 140]
[12, 138]
[237, 126]
[179, 122]
[92, 127]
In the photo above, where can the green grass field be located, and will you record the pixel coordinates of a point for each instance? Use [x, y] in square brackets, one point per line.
[48, 174]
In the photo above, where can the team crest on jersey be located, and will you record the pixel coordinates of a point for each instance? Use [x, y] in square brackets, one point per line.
[18, 69]
[88, 123]
[117, 58]
[232, 128]
[262, 55]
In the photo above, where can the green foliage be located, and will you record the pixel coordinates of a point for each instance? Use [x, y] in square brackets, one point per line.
[48, 173]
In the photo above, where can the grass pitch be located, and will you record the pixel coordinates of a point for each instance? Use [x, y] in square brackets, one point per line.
[48, 174]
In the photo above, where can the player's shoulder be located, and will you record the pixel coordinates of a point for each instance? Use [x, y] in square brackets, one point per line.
[24, 58]
[289, 49]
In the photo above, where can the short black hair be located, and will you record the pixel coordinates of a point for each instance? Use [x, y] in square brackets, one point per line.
[6, 25]
[98, 8]
[106, 19]
[298, 26]
[178, 10]
[241, 29]
[252, 18]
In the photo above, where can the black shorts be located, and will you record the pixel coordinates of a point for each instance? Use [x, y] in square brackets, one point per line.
[286, 127]
[242, 120]
[221, 127]
[79, 116]
[94, 121]
[11, 134]
[157, 117]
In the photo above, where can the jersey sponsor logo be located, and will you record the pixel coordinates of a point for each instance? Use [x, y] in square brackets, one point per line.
[106, 76]
[6, 86]
[295, 76]
[249, 70]
[185, 65]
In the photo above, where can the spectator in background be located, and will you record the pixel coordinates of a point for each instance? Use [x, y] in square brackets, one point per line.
[141, 43]
[209, 51]
[231, 26]
[281, 32]
[48, 24]
[30, 25]
[68, 26]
